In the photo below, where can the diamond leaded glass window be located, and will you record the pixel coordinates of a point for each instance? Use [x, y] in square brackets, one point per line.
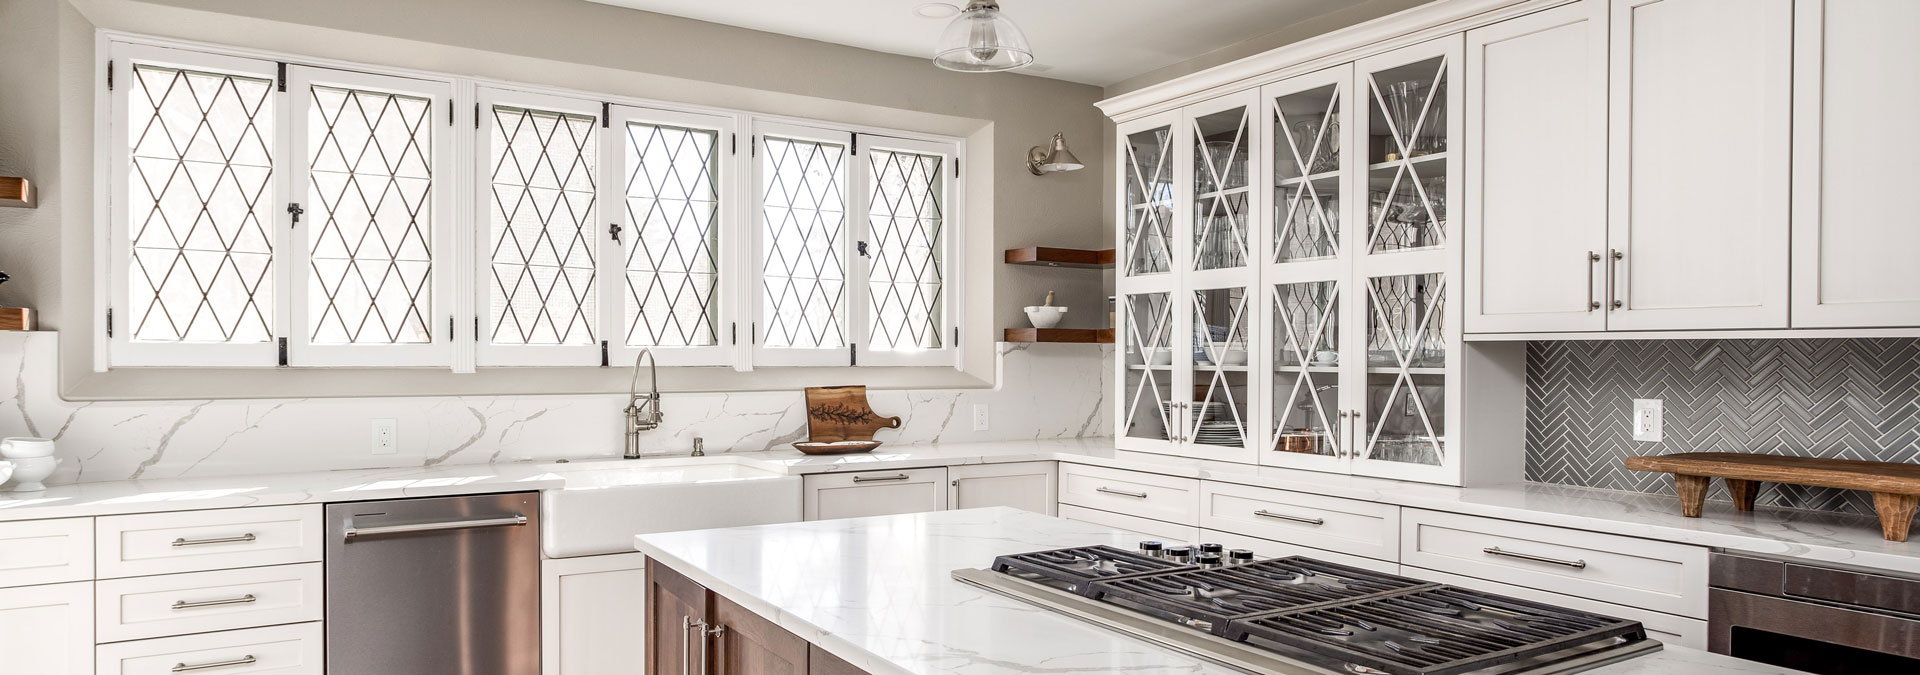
[543, 235]
[370, 244]
[673, 200]
[904, 281]
[199, 206]
[804, 216]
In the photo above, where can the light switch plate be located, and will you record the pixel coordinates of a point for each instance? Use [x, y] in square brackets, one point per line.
[385, 437]
[980, 420]
[1646, 420]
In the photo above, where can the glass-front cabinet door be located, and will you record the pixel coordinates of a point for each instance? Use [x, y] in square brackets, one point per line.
[1406, 269]
[1306, 248]
[1218, 282]
[1147, 284]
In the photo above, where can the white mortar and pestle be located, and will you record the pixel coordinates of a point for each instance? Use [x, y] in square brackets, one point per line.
[1046, 315]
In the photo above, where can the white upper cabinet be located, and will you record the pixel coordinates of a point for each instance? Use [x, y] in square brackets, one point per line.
[1856, 88]
[1698, 208]
[1536, 172]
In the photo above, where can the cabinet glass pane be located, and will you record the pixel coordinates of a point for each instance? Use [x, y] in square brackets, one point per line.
[1406, 361]
[1306, 172]
[1149, 182]
[1407, 149]
[1220, 190]
[1219, 410]
[1306, 367]
[1149, 358]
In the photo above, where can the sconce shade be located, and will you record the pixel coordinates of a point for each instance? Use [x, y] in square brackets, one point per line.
[1043, 160]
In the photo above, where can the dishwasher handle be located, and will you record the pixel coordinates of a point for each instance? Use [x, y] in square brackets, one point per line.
[350, 532]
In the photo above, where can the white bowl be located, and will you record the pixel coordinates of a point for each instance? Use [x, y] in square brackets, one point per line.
[6, 471]
[1045, 317]
[28, 473]
[25, 447]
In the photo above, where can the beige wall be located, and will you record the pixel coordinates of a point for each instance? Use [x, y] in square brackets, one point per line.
[565, 43]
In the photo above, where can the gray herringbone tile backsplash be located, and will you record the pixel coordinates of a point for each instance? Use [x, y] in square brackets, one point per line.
[1833, 398]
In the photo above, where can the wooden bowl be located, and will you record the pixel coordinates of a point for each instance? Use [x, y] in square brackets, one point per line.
[835, 447]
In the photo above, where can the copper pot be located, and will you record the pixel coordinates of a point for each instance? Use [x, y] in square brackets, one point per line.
[1300, 440]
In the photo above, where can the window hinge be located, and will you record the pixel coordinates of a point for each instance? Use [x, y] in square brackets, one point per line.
[753, 149]
[109, 322]
[283, 352]
[449, 329]
[855, 144]
[956, 167]
[449, 115]
[476, 328]
[606, 115]
[476, 114]
[293, 208]
[109, 76]
[753, 333]
[733, 333]
[733, 144]
[603, 354]
[282, 80]
[853, 354]
[613, 230]
[956, 336]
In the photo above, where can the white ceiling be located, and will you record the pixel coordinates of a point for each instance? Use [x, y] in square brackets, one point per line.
[1096, 42]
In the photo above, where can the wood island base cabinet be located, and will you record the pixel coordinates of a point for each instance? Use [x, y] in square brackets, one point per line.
[730, 639]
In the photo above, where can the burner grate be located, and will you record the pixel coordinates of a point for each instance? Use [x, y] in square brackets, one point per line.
[1219, 595]
[1081, 564]
[1432, 631]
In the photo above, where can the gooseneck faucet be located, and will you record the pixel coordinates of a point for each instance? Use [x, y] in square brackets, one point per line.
[643, 410]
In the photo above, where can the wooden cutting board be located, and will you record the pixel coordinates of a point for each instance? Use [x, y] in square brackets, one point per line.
[842, 414]
[1895, 485]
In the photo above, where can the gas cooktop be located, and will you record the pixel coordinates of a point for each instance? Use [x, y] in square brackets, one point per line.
[1301, 615]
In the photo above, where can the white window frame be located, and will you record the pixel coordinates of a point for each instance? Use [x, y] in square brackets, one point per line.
[461, 213]
[124, 350]
[446, 238]
[486, 351]
[726, 323]
[948, 351]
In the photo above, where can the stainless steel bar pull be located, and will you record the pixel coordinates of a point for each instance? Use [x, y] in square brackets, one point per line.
[350, 532]
[1263, 513]
[879, 479]
[1495, 550]
[1613, 278]
[1123, 493]
[1593, 260]
[242, 600]
[247, 660]
[217, 540]
[687, 624]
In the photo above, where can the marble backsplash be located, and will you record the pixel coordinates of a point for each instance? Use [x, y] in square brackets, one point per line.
[1045, 391]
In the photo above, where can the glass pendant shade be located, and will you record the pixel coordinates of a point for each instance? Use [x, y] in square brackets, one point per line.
[982, 40]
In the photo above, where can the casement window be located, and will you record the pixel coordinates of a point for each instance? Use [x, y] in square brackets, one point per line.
[274, 214]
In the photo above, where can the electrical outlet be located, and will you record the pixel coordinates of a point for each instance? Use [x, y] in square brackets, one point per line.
[1646, 419]
[980, 419]
[386, 437]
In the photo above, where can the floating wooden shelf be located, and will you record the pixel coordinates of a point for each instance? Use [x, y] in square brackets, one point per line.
[1081, 335]
[15, 191]
[1060, 257]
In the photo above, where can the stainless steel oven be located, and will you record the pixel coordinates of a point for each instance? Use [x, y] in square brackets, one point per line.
[1824, 620]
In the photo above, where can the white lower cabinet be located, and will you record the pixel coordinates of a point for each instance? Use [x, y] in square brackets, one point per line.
[177, 604]
[1267, 548]
[47, 630]
[1667, 628]
[589, 608]
[1168, 533]
[1148, 495]
[875, 493]
[46, 551]
[295, 649]
[1349, 526]
[1029, 486]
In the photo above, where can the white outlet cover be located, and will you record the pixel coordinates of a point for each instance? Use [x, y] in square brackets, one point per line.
[1647, 420]
[980, 418]
[384, 437]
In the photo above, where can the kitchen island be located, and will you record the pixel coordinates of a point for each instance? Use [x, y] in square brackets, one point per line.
[877, 595]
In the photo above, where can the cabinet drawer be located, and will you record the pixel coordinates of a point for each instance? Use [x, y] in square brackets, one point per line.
[279, 650]
[1265, 548]
[198, 602]
[1655, 575]
[1667, 628]
[1342, 525]
[46, 551]
[193, 541]
[874, 493]
[1147, 495]
[1165, 532]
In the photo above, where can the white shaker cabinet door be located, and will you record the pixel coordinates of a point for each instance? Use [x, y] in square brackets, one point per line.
[1029, 486]
[589, 609]
[1856, 80]
[1700, 132]
[47, 630]
[874, 493]
[1536, 172]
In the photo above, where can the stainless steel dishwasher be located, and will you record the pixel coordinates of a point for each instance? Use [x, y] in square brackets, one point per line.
[438, 586]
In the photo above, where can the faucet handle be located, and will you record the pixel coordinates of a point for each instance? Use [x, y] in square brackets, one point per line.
[699, 447]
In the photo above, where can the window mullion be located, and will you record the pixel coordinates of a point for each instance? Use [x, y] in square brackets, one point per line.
[468, 185]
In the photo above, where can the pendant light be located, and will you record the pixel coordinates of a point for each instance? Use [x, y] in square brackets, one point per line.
[982, 40]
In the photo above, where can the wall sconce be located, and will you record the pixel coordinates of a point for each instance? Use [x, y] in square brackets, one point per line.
[1042, 160]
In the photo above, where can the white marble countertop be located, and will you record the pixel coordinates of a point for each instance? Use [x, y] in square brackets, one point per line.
[1811, 535]
[877, 592]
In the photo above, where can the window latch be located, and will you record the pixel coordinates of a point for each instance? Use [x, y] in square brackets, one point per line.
[294, 209]
[862, 246]
[613, 229]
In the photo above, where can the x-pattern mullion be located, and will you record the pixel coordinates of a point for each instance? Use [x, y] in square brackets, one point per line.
[666, 279]
[1149, 218]
[1217, 382]
[1303, 380]
[1149, 345]
[1216, 179]
[1403, 360]
[387, 180]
